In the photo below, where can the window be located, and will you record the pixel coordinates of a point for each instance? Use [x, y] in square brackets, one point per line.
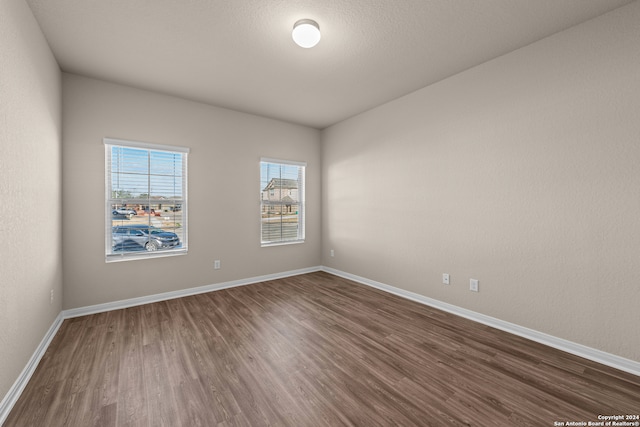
[281, 202]
[146, 200]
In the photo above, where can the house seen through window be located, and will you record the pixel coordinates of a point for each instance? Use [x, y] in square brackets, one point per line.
[146, 200]
[281, 201]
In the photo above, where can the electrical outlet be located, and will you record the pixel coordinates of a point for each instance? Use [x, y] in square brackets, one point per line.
[216, 264]
[332, 253]
[445, 278]
[51, 300]
[473, 285]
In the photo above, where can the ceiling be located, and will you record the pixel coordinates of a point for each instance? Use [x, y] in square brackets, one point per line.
[239, 54]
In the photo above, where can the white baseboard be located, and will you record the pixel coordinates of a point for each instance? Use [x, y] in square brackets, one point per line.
[18, 387]
[117, 305]
[593, 354]
[608, 359]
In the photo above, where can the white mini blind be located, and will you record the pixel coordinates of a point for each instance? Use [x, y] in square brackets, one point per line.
[282, 202]
[145, 200]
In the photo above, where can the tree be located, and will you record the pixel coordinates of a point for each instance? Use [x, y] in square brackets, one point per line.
[121, 194]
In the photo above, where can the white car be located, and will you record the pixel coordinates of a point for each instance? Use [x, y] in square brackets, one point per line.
[124, 212]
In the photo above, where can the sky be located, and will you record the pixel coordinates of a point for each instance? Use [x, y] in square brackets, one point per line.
[268, 171]
[137, 172]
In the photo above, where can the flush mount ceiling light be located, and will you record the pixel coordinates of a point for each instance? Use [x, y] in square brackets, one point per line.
[306, 33]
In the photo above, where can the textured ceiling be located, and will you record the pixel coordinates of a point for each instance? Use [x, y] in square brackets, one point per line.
[239, 54]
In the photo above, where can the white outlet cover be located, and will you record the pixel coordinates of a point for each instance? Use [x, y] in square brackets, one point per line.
[474, 285]
[445, 278]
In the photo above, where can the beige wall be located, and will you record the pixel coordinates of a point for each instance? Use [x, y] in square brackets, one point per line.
[523, 172]
[224, 191]
[30, 195]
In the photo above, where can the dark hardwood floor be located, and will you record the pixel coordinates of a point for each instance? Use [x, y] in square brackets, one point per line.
[310, 350]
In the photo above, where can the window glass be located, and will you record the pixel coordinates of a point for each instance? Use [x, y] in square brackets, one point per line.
[281, 201]
[146, 194]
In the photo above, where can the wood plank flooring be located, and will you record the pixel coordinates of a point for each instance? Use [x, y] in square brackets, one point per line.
[310, 350]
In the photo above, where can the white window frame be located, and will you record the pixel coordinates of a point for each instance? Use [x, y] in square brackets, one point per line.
[110, 256]
[301, 202]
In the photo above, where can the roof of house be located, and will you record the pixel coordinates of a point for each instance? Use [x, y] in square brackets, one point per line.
[281, 183]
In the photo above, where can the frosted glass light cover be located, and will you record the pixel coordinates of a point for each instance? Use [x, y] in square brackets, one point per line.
[306, 33]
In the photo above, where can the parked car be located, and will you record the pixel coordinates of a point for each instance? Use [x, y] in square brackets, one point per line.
[117, 215]
[132, 237]
[125, 211]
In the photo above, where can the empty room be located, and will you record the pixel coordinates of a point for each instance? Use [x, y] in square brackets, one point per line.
[320, 213]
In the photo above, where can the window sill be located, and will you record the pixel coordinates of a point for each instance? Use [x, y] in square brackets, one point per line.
[146, 255]
[289, 242]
